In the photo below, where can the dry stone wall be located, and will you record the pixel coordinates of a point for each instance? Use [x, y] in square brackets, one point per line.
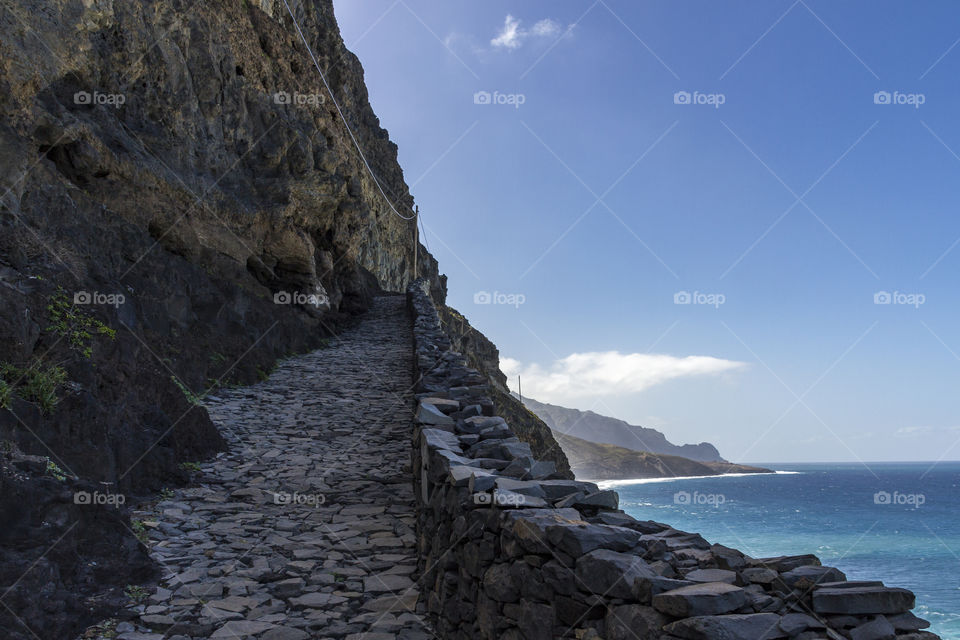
[510, 548]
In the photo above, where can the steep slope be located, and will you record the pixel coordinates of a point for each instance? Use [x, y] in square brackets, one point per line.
[484, 356]
[181, 205]
[597, 461]
[166, 214]
[597, 428]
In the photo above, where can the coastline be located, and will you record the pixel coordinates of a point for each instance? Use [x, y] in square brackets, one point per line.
[613, 484]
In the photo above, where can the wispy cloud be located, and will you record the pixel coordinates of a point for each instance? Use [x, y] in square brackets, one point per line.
[513, 35]
[609, 373]
[908, 432]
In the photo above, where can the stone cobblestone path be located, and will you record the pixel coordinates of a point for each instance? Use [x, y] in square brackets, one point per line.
[304, 528]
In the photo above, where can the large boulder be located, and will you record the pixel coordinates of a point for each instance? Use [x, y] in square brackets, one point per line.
[634, 622]
[877, 629]
[863, 600]
[808, 576]
[616, 575]
[755, 626]
[708, 599]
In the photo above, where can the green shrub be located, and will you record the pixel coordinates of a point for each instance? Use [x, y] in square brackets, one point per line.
[136, 593]
[140, 530]
[191, 397]
[54, 470]
[74, 324]
[35, 384]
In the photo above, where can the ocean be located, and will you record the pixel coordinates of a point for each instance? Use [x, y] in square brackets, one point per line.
[896, 522]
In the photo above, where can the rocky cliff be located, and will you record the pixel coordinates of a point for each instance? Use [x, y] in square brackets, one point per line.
[598, 461]
[594, 427]
[181, 205]
[484, 356]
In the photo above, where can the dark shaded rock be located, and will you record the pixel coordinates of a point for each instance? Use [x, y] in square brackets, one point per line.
[707, 599]
[877, 629]
[863, 600]
[634, 622]
[795, 623]
[756, 626]
[712, 575]
[907, 622]
[804, 578]
[617, 575]
[785, 563]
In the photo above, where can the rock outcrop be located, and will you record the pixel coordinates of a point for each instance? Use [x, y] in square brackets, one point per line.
[511, 549]
[596, 461]
[594, 427]
[483, 355]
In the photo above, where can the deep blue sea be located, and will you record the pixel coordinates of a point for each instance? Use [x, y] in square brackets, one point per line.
[896, 522]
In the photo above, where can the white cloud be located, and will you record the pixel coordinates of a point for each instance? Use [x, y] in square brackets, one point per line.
[513, 35]
[609, 373]
[509, 37]
[909, 432]
[546, 28]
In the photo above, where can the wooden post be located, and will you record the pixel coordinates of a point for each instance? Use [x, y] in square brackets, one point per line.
[416, 239]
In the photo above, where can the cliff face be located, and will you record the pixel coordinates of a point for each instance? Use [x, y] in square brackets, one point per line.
[174, 185]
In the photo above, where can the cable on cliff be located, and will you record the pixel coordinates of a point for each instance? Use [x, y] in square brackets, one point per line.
[344, 119]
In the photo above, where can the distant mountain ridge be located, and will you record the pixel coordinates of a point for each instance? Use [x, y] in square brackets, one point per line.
[597, 461]
[593, 427]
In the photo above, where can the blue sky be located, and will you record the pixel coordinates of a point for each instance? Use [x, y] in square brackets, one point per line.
[814, 166]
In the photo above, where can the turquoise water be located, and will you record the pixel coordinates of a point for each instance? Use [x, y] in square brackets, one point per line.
[908, 535]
